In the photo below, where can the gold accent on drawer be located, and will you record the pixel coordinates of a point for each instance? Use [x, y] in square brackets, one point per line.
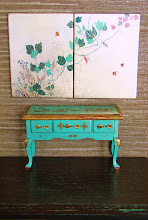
[84, 126]
[39, 126]
[105, 126]
[73, 135]
[76, 126]
[67, 126]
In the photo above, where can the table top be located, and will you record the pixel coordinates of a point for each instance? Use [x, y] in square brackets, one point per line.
[80, 112]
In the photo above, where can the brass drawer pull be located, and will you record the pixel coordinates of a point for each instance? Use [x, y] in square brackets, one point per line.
[39, 126]
[84, 126]
[106, 126]
[73, 135]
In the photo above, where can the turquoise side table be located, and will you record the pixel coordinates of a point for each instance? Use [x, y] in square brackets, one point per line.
[72, 123]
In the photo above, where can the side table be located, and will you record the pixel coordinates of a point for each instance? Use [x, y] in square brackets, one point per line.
[72, 123]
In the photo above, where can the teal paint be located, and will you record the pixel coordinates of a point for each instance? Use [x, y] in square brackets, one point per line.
[70, 129]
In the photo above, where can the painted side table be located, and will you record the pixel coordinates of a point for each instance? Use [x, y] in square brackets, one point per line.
[72, 123]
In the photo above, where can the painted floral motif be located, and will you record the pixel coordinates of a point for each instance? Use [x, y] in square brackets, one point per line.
[37, 79]
[90, 38]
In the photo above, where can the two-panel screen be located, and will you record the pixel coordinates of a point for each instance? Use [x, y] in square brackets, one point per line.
[74, 55]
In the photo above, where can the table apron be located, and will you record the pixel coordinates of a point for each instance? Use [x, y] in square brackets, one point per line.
[71, 136]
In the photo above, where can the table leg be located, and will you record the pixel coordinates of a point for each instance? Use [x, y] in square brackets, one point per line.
[112, 147]
[29, 152]
[116, 149]
[33, 148]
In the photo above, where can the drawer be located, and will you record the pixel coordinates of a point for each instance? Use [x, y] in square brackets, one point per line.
[41, 125]
[103, 125]
[72, 126]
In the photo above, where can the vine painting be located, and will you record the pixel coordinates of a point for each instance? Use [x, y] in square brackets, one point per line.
[106, 55]
[105, 48]
[41, 53]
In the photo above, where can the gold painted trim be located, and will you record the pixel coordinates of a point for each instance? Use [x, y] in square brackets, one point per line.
[26, 142]
[118, 142]
[72, 116]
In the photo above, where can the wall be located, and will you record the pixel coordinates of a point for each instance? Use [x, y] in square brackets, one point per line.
[133, 129]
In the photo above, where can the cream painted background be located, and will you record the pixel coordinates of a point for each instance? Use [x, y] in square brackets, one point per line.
[31, 29]
[95, 78]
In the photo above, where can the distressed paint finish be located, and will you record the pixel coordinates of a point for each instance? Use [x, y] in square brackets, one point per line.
[70, 129]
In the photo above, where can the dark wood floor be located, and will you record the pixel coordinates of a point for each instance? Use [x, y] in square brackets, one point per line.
[60, 187]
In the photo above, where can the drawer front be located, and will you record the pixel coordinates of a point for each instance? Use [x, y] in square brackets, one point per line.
[41, 125]
[72, 126]
[103, 125]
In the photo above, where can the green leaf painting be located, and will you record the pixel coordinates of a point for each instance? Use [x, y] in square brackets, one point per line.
[42, 65]
[69, 58]
[32, 67]
[48, 88]
[105, 27]
[71, 44]
[36, 87]
[48, 64]
[94, 31]
[34, 53]
[61, 60]
[38, 47]
[99, 25]
[70, 67]
[76, 40]
[78, 19]
[81, 43]
[90, 41]
[29, 49]
[49, 72]
[89, 34]
[37, 70]
[41, 92]
[70, 24]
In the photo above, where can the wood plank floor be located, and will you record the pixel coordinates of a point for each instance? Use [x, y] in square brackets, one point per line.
[73, 186]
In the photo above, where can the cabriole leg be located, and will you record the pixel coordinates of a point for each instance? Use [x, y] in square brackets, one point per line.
[33, 148]
[112, 147]
[28, 143]
[116, 149]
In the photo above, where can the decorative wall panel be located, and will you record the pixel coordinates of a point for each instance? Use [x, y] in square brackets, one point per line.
[41, 52]
[106, 55]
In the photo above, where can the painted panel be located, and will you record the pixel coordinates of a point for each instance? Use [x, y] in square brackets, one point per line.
[41, 55]
[55, 110]
[106, 55]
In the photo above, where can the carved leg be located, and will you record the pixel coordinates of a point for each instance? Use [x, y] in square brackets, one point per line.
[116, 149]
[33, 148]
[28, 143]
[112, 147]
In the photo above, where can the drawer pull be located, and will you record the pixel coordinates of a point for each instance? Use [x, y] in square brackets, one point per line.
[39, 126]
[71, 135]
[84, 126]
[106, 126]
